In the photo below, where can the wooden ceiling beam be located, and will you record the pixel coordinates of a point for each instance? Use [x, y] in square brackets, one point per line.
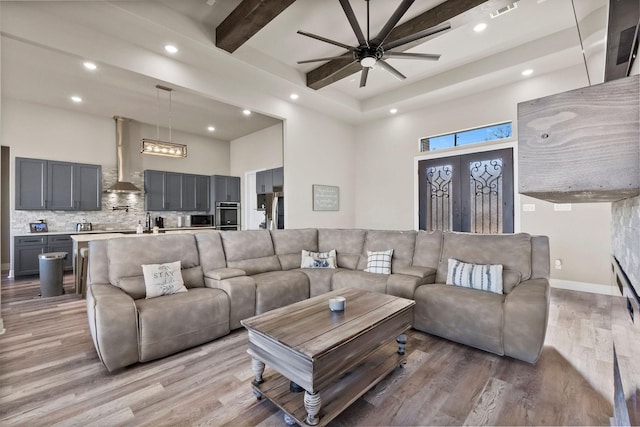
[249, 17]
[338, 69]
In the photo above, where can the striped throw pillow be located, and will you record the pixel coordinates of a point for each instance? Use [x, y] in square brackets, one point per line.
[476, 276]
[379, 262]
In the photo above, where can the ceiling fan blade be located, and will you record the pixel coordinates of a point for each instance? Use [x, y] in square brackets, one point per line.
[408, 55]
[384, 64]
[345, 56]
[363, 76]
[346, 6]
[419, 35]
[391, 23]
[326, 40]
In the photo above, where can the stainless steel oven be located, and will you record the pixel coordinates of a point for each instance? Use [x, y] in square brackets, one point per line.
[227, 215]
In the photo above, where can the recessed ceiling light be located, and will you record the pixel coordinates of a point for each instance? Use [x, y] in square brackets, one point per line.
[170, 48]
[527, 72]
[211, 128]
[246, 112]
[76, 99]
[393, 110]
[294, 96]
[480, 27]
[89, 65]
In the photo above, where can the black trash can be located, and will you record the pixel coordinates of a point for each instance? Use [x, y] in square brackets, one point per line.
[51, 273]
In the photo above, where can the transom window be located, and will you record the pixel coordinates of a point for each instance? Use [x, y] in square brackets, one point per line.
[466, 137]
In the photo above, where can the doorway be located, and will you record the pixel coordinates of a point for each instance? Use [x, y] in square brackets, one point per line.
[471, 193]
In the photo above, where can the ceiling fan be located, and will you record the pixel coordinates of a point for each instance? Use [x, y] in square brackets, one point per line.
[370, 52]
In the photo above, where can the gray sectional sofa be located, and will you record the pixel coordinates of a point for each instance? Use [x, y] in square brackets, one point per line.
[232, 275]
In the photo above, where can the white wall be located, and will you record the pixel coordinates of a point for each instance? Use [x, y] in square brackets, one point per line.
[259, 150]
[385, 173]
[318, 150]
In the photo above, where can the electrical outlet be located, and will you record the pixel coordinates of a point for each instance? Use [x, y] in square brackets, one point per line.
[558, 264]
[528, 207]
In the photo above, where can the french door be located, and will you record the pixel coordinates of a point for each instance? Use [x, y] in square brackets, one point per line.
[471, 192]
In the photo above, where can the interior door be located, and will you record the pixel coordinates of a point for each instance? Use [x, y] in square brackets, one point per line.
[471, 192]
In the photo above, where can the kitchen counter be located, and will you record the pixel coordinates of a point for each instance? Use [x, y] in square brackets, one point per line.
[116, 231]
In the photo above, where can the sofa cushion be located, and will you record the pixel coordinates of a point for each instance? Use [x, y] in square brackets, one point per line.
[279, 288]
[347, 243]
[162, 279]
[360, 280]
[513, 251]
[250, 250]
[428, 249]
[135, 287]
[288, 245]
[464, 315]
[127, 255]
[210, 250]
[319, 279]
[379, 262]
[484, 277]
[174, 322]
[402, 243]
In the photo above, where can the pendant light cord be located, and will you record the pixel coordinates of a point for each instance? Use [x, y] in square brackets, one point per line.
[584, 56]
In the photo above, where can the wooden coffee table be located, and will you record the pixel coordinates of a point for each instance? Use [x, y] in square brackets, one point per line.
[334, 357]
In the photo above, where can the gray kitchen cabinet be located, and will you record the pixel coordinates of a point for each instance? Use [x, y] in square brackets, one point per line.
[31, 178]
[154, 190]
[172, 191]
[27, 249]
[225, 188]
[53, 185]
[270, 180]
[195, 192]
[60, 183]
[88, 187]
[264, 182]
[278, 178]
[203, 184]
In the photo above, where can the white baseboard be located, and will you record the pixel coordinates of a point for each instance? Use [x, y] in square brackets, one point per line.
[2, 330]
[594, 288]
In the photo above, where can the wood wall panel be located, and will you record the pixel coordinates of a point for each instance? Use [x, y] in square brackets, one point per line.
[582, 145]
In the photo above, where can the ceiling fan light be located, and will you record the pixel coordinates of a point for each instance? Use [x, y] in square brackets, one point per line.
[368, 61]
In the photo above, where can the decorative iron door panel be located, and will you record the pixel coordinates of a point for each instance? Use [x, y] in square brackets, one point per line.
[472, 193]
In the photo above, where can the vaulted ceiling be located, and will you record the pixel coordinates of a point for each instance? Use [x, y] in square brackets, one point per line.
[43, 42]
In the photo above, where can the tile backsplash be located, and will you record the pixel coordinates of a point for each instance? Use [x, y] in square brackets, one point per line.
[129, 209]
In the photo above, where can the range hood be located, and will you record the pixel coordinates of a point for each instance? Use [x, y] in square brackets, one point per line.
[122, 138]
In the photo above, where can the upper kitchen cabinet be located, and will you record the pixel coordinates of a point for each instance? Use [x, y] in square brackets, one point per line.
[270, 180]
[195, 190]
[225, 188]
[278, 179]
[171, 191]
[53, 185]
[264, 182]
[31, 183]
[581, 145]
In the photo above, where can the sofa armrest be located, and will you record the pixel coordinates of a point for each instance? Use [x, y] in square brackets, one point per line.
[422, 272]
[242, 296]
[526, 312]
[113, 323]
[224, 273]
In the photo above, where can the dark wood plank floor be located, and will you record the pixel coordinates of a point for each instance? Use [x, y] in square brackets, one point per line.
[50, 375]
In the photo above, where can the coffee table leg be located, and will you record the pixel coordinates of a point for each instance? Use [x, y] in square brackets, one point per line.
[258, 368]
[312, 403]
[402, 342]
